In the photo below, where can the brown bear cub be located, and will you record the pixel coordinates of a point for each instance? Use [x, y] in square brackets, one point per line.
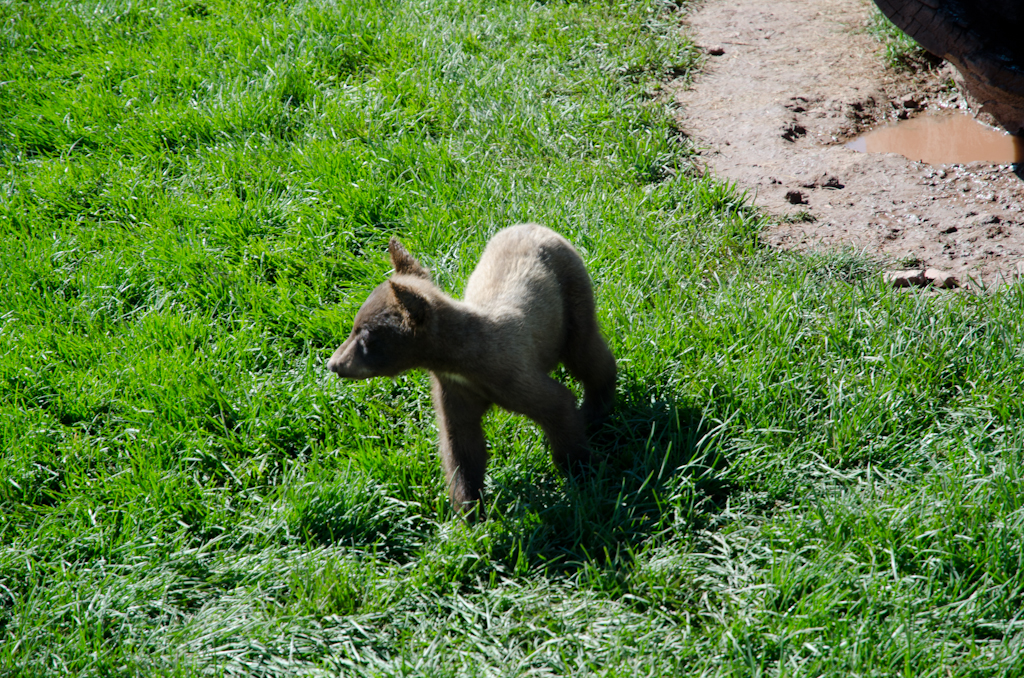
[528, 307]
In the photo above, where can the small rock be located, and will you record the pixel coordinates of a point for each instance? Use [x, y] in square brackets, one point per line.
[917, 277]
[830, 181]
[716, 50]
[911, 102]
[824, 180]
[796, 197]
[941, 279]
[793, 131]
[984, 219]
[947, 231]
[911, 278]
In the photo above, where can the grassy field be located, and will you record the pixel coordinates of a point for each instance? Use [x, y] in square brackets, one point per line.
[807, 473]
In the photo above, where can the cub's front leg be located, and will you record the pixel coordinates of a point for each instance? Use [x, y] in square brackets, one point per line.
[463, 447]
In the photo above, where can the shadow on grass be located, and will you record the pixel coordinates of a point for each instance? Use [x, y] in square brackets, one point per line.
[660, 473]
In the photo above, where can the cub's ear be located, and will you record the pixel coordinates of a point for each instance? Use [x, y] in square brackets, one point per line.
[415, 305]
[403, 262]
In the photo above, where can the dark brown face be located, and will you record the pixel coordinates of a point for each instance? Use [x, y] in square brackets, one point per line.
[379, 343]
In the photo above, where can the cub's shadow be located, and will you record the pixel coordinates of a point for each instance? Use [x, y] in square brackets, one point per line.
[658, 470]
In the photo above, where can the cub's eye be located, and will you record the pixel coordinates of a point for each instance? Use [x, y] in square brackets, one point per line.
[368, 340]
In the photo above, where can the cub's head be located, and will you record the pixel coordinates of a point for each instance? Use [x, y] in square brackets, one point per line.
[387, 334]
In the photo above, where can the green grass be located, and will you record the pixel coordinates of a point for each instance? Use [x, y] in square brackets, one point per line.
[807, 473]
[902, 52]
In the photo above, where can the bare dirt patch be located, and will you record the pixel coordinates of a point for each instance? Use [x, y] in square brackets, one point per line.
[785, 85]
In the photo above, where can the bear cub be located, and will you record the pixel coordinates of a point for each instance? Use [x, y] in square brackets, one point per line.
[528, 306]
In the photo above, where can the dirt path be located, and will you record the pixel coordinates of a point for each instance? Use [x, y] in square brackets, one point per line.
[796, 79]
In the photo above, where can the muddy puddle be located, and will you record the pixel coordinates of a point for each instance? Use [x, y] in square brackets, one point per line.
[786, 80]
[944, 138]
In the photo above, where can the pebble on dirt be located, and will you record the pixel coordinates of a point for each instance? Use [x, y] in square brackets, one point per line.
[921, 277]
[824, 180]
[796, 197]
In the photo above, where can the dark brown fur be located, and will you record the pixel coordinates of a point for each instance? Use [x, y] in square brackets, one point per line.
[528, 306]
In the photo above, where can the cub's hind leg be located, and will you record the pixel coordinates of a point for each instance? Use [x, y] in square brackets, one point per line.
[463, 446]
[589, 360]
[553, 407]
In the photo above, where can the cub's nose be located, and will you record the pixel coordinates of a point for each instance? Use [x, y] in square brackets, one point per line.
[347, 364]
